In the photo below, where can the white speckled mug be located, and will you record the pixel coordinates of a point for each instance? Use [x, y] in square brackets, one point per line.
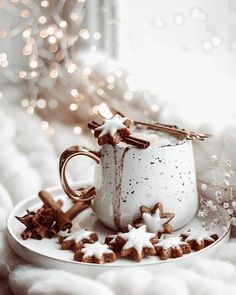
[127, 178]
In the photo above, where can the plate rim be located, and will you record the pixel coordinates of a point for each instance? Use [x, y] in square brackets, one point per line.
[13, 237]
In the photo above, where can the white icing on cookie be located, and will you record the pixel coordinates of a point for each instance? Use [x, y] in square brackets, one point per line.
[173, 242]
[111, 126]
[97, 250]
[79, 235]
[199, 235]
[137, 238]
[154, 222]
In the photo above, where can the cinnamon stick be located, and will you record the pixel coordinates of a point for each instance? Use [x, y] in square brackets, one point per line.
[137, 142]
[76, 209]
[41, 231]
[36, 218]
[62, 220]
[26, 220]
[71, 214]
[39, 224]
[138, 139]
[26, 234]
[92, 126]
[47, 216]
[46, 219]
[59, 203]
[53, 231]
[96, 123]
[88, 192]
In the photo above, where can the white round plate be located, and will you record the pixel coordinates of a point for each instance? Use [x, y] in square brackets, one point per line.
[46, 253]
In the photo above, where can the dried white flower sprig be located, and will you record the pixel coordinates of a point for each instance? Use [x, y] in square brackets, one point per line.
[212, 214]
[222, 193]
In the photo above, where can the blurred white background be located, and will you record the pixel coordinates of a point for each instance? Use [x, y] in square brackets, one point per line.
[185, 51]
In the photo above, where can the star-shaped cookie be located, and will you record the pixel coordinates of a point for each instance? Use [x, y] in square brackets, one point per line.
[156, 220]
[199, 238]
[112, 130]
[75, 239]
[172, 247]
[95, 253]
[136, 242]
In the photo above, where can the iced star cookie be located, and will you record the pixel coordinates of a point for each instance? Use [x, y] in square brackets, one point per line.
[155, 219]
[112, 130]
[171, 248]
[95, 253]
[136, 242]
[199, 238]
[75, 239]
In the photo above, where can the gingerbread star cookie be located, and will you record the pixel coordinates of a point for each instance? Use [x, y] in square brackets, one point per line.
[112, 130]
[75, 239]
[199, 238]
[155, 219]
[171, 247]
[95, 253]
[136, 242]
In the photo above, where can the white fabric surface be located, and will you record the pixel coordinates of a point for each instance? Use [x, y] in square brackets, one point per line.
[28, 162]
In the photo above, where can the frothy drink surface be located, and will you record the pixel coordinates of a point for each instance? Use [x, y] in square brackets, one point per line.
[156, 138]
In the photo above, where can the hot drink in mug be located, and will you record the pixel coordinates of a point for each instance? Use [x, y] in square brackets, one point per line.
[128, 177]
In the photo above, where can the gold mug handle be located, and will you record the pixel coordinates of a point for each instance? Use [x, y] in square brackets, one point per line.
[65, 157]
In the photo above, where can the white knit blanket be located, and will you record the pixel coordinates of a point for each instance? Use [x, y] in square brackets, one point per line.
[28, 162]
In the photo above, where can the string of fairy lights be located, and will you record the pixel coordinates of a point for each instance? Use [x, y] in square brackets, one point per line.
[51, 33]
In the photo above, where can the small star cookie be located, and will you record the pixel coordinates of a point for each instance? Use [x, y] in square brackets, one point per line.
[199, 238]
[155, 219]
[75, 239]
[112, 130]
[171, 247]
[136, 242]
[95, 253]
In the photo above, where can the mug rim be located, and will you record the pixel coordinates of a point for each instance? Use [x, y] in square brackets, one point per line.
[179, 142]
